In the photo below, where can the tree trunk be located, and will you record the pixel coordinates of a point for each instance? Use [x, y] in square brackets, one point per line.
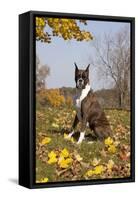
[120, 100]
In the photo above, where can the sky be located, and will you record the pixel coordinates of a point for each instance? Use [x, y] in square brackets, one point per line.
[60, 56]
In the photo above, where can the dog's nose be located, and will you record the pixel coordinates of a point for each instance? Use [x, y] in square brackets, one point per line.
[80, 81]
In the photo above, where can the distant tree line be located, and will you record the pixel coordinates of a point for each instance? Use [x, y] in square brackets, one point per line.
[65, 97]
[108, 98]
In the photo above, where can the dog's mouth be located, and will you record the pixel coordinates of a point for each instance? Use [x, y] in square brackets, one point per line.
[80, 86]
[80, 83]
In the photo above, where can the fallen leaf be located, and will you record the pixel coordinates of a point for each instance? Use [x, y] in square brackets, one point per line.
[43, 180]
[46, 140]
[55, 125]
[124, 155]
[64, 153]
[52, 157]
[103, 153]
[108, 141]
[52, 154]
[78, 157]
[110, 165]
[95, 161]
[66, 137]
[64, 163]
[99, 169]
[112, 148]
[52, 160]
[96, 171]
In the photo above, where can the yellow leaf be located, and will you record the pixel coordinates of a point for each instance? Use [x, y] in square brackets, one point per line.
[78, 157]
[69, 160]
[52, 160]
[64, 153]
[89, 173]
[64, 163]
[112, 148]
[55, 125]
[98, 169]
[110, 165]
[68, 138]
[42, 180]
[95, 162]
[65, 136]
[46, 140]
[52, 154]
[52, 157]
[72, 139]
[108, 141]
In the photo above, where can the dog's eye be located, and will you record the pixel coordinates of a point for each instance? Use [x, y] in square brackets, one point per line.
[79, 76]
[84, 76]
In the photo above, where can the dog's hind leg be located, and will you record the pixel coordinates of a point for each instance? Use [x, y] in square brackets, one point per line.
[102, 132]
[99, 132]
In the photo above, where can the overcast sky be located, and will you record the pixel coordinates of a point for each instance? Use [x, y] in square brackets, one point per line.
[60, 56]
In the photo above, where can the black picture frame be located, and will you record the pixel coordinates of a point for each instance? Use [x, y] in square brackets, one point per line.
[27, 99]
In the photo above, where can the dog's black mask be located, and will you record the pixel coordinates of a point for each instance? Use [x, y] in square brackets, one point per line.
[81, 77]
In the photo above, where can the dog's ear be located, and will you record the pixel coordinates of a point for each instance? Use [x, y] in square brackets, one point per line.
[76, 67]
[87, 69]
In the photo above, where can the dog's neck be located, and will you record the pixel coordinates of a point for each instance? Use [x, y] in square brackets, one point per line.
[82, 93]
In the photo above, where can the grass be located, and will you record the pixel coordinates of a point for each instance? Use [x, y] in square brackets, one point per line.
[99, 159]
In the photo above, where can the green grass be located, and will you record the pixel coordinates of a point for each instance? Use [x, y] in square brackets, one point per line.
[54, 122]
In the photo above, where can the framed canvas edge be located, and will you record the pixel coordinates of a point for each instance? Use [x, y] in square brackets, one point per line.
[32, 183]
[24, 95]
[84, 16]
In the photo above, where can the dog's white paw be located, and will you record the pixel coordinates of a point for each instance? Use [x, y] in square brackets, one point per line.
[81, 138]
[87, 124]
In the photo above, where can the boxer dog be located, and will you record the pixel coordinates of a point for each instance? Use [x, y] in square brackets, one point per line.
[89, 111]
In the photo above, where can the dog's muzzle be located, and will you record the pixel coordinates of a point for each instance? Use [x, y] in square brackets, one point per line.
[80, 83]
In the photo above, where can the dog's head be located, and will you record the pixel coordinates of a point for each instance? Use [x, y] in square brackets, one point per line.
[81, 77]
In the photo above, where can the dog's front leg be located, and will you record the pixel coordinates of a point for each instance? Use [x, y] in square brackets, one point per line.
[76, 120]
[83, 127]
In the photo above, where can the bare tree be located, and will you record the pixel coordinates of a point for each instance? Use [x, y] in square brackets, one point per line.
[113, 60]
[42, 71]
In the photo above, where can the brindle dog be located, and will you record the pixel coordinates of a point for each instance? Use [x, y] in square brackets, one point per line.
[89, 110]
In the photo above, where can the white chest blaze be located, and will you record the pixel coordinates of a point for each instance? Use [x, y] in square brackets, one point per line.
[80, 96]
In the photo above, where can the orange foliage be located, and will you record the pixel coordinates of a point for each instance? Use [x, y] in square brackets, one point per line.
[54, 97]
[69, 101]
[51, 97]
